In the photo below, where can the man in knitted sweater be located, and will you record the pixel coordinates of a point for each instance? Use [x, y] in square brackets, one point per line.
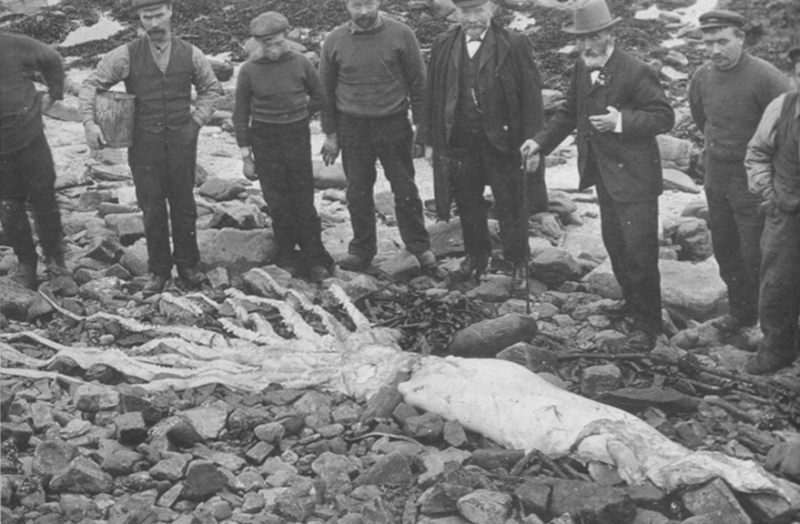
[727, 96]
[371, 66]
[26, 163]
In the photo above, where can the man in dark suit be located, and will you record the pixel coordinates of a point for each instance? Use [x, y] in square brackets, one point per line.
[618, 107]
[482, 100]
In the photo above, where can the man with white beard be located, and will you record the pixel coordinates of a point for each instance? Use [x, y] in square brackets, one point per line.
[618, 106]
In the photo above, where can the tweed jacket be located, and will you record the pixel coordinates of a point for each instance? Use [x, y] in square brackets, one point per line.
[509, 94]
[628, 162]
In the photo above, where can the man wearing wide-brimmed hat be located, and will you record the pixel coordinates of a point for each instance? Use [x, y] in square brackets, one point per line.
[727, 96]
[773, 170]
[483, 99]
[160, 69]
[618, 106]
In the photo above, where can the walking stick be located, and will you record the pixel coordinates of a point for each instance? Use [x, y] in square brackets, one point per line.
[525, 220]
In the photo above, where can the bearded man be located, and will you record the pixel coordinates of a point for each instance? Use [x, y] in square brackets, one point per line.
[618, 107]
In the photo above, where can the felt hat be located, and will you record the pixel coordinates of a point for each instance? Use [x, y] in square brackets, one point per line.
[721, 18]
[139, 4]
[591, 16]
[469, 3]
[268, 24]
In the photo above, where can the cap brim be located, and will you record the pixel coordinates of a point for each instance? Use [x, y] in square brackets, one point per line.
[471, 3]
[571, 28]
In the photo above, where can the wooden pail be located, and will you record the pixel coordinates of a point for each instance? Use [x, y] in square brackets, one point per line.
[114, 113]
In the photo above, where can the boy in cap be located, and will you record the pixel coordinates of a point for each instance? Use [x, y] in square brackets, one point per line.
[26, 163]
[276, 93]
[160, 69]
[727, 96]
[618, 106]
[773, 170]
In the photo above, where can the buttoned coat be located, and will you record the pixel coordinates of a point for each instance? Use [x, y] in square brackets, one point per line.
[629, 162]
[509, 95]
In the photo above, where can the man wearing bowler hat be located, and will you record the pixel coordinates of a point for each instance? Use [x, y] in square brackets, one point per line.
[483, 99]
[160, 69]
[618, 107]
[773, 170]
[727, 96]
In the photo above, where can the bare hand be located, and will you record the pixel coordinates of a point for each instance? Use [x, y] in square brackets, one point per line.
[94, 135]
[429, 154]
[607, 122]
[249, 169]
[46, 102]
[530, 148]
[532, 163]
[330, 150]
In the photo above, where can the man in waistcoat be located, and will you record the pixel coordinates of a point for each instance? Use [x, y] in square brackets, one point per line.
[618, 106]
[727, 96]
[483, 99]
[160, 69]
[372, 70]
[26, 162]
[773, 170]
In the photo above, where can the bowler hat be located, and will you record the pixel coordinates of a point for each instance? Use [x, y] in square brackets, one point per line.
[591, 16]
[721, 18]
[469, 3]
[268, 24]
[139, 4]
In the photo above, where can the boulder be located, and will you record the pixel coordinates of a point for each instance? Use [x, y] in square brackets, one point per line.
[222, 189]
[237, 216]
[697, 208]
[235, 250]
[329, 177]
[679, 181]
[223, 69]
[135, 258]
[17, 299]
[585, 246]
[693, 237]
[129, 227]
[554, 267]
[489, 337]
[676, 153]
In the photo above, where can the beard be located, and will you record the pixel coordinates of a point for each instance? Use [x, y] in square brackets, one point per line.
[366, 21]
[596, 57]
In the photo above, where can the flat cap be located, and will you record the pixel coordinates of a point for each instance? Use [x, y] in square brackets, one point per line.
[268, 24]
[139, 4]
[469, 3]
[721, 18]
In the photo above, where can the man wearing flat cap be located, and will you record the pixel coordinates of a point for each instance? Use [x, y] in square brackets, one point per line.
[773, 170]
[372, 70]
[483, 99]
[160, 69]
[276, 93]
[727, 96]
[618, 106]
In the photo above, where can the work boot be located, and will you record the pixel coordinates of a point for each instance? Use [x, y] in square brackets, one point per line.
[318, 273]
[155, 285]
[192, 277]
[26, 275]
[728, 323]
[472, 264]
[355, 263]
[765, 362]
[61, 281]
[427, 260]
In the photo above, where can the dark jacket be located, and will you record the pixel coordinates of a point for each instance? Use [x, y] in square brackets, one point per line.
[509, 94]
[629, 162]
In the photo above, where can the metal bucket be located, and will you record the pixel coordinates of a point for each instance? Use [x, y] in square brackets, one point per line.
[114, 113]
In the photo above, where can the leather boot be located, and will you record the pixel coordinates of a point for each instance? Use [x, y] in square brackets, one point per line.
[26, 275]
[61, 281]
[192, 276]
[472, 264]
[155, 285]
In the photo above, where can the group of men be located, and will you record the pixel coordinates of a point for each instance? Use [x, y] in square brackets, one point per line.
[477, 109]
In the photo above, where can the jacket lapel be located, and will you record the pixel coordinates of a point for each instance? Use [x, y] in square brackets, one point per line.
[488, 48]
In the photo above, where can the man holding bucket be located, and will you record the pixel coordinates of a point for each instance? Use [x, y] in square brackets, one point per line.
[26, 163]
[160, 69]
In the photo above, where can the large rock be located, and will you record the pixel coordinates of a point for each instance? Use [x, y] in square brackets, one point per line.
[237, 216]
[222, 189]
[235, 250]
[17, 299]
[489, 337]
[676, 153]
[134, 259]
[585, 246]
[329, 177]
[82, 475]
[554, 267]
[717, 501]
[129, 227]
[203, 479]
[679, 181]
[447, 238]
[692, 235]
[591, 503]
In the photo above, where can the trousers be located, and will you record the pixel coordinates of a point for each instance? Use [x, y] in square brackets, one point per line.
[364, 141]
[28, 175]
[285, 170]
[163, 166]
[474, 164]
[736, 227]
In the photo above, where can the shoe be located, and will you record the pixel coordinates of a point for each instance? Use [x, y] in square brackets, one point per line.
[728, 323]
[427, 260]
[618, 309]
[640, 341]
[355, 263]
[472, 264]
[61, 281]
[318, 273]
[155, 285]
[192, 276]
[26, 275]
[765, 362]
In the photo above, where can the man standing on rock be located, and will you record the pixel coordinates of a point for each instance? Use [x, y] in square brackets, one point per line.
[483, 99]
[26, 163]
[727, 96]
[371, 66]
[773, 170]
[618, 107]
[160, 69]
